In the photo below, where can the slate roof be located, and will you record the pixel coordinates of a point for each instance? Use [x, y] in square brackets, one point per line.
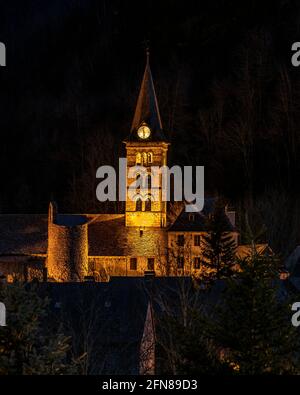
[188, 222]
[114, 314]
[23, 234]
[195, 222]
[70, 219]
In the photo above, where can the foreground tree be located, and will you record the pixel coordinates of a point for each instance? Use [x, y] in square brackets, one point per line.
[183, 346]
[189, 349]
[28, 344]
[253, 325]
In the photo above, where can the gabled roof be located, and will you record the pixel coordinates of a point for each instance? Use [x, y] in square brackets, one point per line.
[188, 222]
[245, 250]
[147, 110]
[196, 221]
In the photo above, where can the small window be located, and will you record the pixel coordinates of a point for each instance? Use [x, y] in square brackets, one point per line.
[150, 157]
[149, 181]
[148, 205]
[138, 158]
[197, 240]
[197, 262]
[180, 240]
[133, 263]
[138, 204]
[180, 262]
[150, 263]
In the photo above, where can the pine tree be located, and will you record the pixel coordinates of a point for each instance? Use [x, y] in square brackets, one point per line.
[183, 344]
[253, 325]
[218, 244]
[185, 348]
[28, 344]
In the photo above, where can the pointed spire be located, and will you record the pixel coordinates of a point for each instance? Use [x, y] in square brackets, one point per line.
[147, 106]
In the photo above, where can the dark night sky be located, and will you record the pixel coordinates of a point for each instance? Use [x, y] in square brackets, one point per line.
[72, 77]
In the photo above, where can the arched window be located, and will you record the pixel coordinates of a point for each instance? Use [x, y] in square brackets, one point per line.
[144, 158]
[148, 204]
[138, 158]
[150, 157]
[138, 204]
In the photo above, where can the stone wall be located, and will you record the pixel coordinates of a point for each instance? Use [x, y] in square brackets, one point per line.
[67, 258]
[102, 268]
[22, 268]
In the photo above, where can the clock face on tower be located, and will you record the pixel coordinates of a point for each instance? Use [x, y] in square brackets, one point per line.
[144, 132]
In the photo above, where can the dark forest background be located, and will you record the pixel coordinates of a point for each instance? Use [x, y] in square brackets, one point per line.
[228, 94]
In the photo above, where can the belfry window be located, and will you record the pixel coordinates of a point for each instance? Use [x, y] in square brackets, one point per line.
[138, 204]
[144, 159]
[148, 204]
[138, 158]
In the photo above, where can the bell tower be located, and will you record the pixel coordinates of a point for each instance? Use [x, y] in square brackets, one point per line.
[146, 146]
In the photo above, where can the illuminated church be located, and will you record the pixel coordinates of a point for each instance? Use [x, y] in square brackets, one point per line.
[94, 247]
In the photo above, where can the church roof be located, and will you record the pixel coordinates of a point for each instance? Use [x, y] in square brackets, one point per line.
[147, 110]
